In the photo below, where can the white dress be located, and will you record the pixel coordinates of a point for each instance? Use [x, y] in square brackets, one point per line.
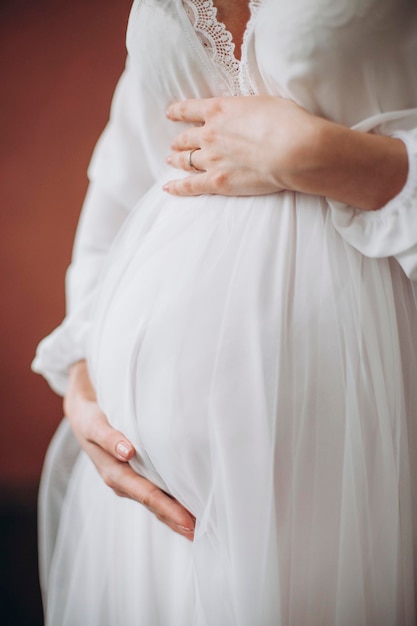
[259, 352]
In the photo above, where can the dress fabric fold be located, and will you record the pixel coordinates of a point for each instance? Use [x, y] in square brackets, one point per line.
[259, 352]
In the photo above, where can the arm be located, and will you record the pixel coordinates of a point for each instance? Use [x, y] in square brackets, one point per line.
[264, 144]
[119, 175]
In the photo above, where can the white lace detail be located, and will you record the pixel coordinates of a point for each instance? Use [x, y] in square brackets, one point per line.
[219, 44]
[245, 84]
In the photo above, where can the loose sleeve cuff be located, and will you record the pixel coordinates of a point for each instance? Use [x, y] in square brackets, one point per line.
[392, 230]
[59, 350]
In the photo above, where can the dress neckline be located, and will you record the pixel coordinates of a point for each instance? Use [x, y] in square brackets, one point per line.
[218, 44]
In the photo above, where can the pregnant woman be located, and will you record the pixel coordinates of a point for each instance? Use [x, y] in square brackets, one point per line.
[239, 357]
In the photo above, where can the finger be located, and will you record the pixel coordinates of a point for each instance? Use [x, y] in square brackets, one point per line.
[170, 511]
[184, 161]
[190, 186]
[193, 110]
[125, 482]
[189, 139]
[99, 432]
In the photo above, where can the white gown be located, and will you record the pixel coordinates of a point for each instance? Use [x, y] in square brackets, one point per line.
[259, 352]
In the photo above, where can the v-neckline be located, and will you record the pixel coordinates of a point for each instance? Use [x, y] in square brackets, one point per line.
[216, 41]
[234, 41]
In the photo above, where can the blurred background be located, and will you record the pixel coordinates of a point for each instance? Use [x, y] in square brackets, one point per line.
[59, 62]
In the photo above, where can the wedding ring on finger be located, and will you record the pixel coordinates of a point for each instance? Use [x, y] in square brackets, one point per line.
[190, 160]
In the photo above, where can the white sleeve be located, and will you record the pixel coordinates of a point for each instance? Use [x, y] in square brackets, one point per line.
[392, 230]
[119, 175]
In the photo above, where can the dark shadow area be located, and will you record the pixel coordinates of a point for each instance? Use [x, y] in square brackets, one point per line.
[20, 599]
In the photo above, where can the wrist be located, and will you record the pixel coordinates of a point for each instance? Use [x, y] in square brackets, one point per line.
[79, 388]
[305, 157]
[364, 170]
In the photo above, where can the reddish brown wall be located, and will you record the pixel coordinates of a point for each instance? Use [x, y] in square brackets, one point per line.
[60, 62]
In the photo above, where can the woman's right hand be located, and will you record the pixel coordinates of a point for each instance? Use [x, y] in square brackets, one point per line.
[111, 451]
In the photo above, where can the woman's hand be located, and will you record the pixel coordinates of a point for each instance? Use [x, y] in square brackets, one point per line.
[247, 145]
[254, 145]
[110, 452]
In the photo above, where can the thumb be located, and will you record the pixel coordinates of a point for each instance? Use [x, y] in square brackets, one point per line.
[108, 438]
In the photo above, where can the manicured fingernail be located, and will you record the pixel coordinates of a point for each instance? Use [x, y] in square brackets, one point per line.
[122, 449]
[185, 529]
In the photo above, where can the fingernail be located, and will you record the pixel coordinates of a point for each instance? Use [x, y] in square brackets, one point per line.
[122, 449]
[169, 160]
[165, 188]
[185, 529]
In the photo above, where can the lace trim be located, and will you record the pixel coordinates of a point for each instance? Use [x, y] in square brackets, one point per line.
[219, 44]
[245, 85]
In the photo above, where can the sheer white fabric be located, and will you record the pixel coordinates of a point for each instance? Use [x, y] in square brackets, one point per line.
[261, 353]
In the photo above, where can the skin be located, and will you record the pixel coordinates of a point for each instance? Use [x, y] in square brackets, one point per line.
[264, 144]
[245, 146]
[235, 15]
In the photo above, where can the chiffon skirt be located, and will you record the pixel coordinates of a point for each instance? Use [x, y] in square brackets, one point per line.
[266, 373]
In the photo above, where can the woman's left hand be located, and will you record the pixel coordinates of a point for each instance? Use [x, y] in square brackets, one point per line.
[246, 145]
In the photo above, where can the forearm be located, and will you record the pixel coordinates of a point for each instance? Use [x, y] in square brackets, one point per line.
[100, 221]
[79, 387]
[262, 144]
[360, 169]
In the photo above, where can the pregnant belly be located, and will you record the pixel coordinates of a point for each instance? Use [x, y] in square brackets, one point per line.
[207, 308]
[187, 313]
